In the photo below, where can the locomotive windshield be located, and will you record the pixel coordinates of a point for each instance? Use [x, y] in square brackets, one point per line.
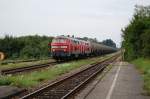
[59, 40]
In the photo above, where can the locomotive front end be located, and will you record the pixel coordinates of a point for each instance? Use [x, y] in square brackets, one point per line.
[60, 48]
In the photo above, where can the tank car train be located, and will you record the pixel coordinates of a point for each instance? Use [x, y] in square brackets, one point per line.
[63, 48]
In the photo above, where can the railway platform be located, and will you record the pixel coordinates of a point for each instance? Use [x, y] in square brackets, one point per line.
[7, 91]
[123, 81]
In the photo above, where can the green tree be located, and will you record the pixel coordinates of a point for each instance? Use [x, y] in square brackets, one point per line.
[146, 43]
[135, 33]
[109, 42]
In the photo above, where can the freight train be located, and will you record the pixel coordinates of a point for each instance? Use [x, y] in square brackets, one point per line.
[63, 48]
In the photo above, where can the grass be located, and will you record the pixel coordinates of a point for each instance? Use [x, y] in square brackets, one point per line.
[32, 79]
[15, 65]
[144, 67]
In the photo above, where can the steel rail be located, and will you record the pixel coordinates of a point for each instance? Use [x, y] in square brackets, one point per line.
[26, 68]
[70, 85]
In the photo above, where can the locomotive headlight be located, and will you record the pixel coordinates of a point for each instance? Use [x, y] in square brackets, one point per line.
[59, 46]
[54, 46]
[63, 47]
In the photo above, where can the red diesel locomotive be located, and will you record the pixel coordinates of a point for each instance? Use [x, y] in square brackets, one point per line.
[66, 48]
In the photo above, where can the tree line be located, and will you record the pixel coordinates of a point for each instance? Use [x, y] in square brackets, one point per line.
[136, 35]
[25, 47]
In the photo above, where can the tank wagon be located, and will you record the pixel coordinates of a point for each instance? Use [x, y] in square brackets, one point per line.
[63, 47]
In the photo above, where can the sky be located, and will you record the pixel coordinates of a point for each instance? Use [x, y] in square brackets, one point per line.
[101, 19]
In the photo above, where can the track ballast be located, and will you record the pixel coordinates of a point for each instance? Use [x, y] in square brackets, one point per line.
[68, 86]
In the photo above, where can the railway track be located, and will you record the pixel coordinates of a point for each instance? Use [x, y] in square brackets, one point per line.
[67, 87]
[20, 61]
[26, 68]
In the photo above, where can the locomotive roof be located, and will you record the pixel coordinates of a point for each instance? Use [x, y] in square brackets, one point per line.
[86, 42]
[72, 39]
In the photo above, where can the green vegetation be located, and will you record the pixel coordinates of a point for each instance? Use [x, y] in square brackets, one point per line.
[25, 47]
[109, 42]
[144, 66]
[34, 78]
[136, 36]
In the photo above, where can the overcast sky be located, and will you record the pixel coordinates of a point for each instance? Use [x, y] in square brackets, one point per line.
[99, 19]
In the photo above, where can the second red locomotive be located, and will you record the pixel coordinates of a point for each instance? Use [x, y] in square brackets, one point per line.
[66, 48]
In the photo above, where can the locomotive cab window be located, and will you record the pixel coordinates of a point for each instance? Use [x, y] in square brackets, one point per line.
[59, 40]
